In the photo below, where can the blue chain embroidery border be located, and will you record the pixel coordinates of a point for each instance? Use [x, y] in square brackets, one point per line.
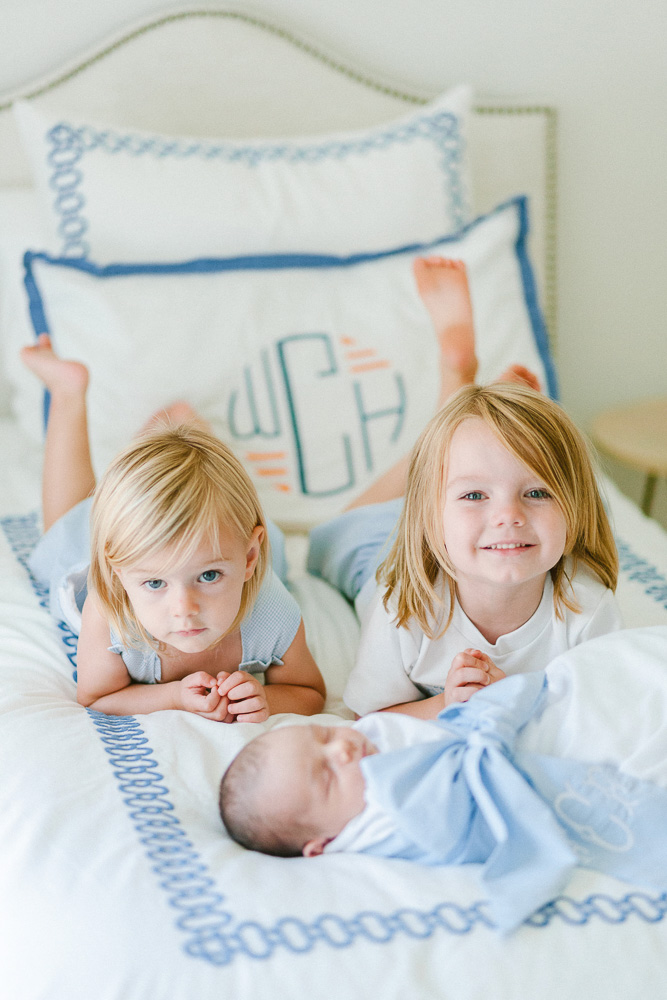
[202, 917]
[69, 145]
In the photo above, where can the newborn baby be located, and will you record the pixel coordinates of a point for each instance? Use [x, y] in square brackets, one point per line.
[453, 791]
[293, 790]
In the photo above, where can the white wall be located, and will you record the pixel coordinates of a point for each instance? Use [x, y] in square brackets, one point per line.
[602, 63]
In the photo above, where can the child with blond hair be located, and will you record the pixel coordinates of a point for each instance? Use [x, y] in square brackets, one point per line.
[502, 557]
[166, 573]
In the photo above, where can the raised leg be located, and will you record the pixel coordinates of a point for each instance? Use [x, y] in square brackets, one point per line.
[443, 288]
[67, 475]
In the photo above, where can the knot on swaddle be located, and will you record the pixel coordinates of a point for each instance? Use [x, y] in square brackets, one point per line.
[527, 819]
[461, 800]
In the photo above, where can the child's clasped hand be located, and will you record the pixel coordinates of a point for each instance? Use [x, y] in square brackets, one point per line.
[470, 671]
[245, 694]
[229, 697]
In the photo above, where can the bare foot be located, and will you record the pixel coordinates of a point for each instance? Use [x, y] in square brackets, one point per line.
[69, 378]
[176, 414]
[521, 375]
[443, 288]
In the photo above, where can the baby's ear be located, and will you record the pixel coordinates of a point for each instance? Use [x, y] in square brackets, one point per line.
[314, 847]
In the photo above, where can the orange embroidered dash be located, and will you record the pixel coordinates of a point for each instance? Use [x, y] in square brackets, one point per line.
[364, 352]
[264, 456]
[369, 366]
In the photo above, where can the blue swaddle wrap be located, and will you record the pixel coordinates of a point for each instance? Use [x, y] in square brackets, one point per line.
[528, 819]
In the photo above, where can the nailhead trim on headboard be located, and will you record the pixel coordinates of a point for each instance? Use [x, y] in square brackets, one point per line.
[550, 114]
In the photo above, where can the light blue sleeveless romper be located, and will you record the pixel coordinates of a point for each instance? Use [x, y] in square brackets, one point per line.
[61, 559]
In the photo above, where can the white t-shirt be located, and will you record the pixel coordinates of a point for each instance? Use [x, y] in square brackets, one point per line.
[397, 665]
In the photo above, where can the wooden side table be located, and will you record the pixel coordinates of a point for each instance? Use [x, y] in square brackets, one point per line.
[636, 435]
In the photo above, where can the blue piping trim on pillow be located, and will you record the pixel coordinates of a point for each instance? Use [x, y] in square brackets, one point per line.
[39, 323]
[69, 144]
[201, 910]
[532, 304]
[263, 262]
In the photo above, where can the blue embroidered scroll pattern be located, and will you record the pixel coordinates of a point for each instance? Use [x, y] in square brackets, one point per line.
[203, 914]
[282, 415]
[22, 533]
[642, 572]
[69, 145]
[66, 177]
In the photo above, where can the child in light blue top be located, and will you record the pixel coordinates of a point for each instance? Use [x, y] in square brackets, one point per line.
[171, 589]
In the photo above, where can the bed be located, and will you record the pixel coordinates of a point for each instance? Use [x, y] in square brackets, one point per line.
[150, 182]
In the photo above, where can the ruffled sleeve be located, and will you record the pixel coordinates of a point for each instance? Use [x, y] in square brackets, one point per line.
[268, 631]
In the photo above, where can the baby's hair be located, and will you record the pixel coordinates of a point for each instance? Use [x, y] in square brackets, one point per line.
[539, 433]
[171, 487]
[243, 808]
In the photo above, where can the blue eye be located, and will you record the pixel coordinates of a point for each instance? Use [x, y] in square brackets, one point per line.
[473, 495]
[210, 575]
[154, 584]
[538, 494]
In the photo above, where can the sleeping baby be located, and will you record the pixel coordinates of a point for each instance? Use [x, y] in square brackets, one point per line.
[456, 790]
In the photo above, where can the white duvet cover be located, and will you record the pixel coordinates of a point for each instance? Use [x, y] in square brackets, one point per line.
[118, 883]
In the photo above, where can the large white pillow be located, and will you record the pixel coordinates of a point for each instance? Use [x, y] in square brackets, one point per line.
[319, 371]
[21, 226]
[115, 194]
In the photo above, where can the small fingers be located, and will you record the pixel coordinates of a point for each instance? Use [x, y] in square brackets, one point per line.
[460, 694]
[477, 654]
[217, 717]
[247, 689]
[256, 704]
[211, 700]
[200, 702]
[471, 674]
[259, 716]
[221, 714]
[468, 657]
[200, 679]
[234, 680]
[246, 701]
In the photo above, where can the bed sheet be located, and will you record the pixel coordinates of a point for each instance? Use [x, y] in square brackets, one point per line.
[116, 880]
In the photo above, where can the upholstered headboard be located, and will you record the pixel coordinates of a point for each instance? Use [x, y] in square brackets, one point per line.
[224, 73]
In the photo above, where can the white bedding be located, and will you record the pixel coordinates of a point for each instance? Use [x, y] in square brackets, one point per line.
[116, 879]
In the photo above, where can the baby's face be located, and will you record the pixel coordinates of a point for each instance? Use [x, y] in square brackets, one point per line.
[314, 776]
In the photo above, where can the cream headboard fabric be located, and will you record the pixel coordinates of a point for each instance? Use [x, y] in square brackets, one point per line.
[223, 73]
